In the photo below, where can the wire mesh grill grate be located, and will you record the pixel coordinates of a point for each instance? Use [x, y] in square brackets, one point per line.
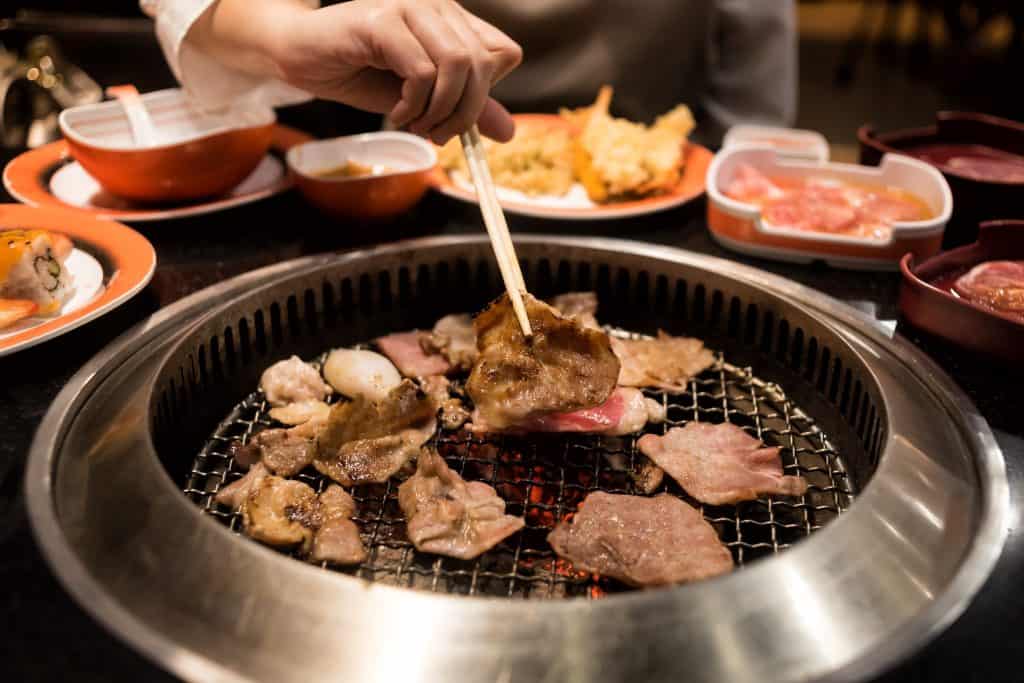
[544, 477]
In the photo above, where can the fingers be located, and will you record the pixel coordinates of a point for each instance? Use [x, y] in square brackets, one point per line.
[478, 82]
[453, 58]
[402, 53]
[506, 52]
[495, 122]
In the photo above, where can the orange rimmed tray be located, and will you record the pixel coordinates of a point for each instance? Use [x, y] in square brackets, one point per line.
[28, 179]
[576, 206]
[126, 257]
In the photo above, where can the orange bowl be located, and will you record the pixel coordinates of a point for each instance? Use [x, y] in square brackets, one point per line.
[401, 164]
[199, 154]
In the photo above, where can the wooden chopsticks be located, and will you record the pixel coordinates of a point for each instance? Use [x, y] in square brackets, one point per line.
[497, 228]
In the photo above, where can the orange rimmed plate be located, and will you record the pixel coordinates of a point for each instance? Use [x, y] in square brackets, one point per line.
[110, 263]
[48, 177]
[576, 205]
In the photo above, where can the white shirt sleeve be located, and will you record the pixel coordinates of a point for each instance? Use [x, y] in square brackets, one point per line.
[752, 64]
[209, 82]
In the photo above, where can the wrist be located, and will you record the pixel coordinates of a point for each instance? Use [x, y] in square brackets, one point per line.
[286, 33]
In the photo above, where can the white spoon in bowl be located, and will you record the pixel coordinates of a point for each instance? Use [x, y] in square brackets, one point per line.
[143, 130]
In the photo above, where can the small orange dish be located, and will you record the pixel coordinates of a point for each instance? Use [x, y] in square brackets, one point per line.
[372, 176]
[197, 154]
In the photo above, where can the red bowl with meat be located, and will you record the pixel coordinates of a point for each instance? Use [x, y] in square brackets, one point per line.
[764, 203]
[981, 157]
[973, 295]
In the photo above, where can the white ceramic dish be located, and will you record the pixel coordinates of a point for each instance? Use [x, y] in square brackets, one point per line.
[739, 226]
[790, 142]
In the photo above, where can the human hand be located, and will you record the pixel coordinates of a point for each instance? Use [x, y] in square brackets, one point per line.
[428, 64]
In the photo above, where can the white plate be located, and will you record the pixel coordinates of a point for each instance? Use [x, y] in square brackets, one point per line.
[72, 185]
[87, 275]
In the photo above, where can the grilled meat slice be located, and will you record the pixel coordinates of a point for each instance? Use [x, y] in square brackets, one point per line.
[405, 407]
[404, 350]
[563, 368]
[369, 441]
[285, 452]
[454, 338]
[641, 541]
[453, 412]
[366, 461]
[581, 306]
[280, 512]
[300, 412]
[665, 362]
[235, 493]
[449, 516]
[337, 538]
[292, 380]
[720, 464]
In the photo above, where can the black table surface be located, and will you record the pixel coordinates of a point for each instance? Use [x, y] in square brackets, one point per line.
[49, 638]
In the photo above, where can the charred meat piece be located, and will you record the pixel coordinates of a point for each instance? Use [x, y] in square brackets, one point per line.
[369, 441]
[626, 411]
[648, 477]
[404, 350]
[562, 368]
[366, 461]
[235, 493]
[337, 538]
[292, 380]
[580, 306]
[285, 452]
[280, 512]
[449, 516]
[720, 464]
[404, 407]
[454, 338]
[641, 541]
[453, 412]
[665, 362]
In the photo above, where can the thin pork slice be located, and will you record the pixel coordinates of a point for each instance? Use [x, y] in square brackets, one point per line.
[720, 464]
[626, 411]
[665, 362]
[449, 516]
[405, 351]
[337, 538]
[641, 541]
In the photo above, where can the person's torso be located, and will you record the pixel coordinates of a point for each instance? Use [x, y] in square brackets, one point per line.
[653, 52]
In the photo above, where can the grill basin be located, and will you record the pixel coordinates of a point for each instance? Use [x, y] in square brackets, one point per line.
[105, 475]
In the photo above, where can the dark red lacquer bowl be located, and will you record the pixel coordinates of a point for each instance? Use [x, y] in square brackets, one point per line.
[927, 303]
[975, 198]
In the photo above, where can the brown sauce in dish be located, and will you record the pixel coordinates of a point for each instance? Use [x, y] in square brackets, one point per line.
[978, 162]
[349, 169]
[1001, 291]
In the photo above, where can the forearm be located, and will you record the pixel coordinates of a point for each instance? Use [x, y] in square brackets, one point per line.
[247, 34]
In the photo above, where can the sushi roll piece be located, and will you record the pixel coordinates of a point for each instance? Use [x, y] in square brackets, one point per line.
[32, 268]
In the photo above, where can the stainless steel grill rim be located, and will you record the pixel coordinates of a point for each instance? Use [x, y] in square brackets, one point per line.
[842, 660]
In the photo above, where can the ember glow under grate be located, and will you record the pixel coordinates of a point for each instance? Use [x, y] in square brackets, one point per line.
[544, 478]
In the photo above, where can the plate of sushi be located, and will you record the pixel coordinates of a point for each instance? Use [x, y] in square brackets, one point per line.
[61, 268]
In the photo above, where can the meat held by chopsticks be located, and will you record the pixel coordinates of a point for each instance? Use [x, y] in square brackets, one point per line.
[641, 541]
[564, 367]
[665, 362]
[369, 441]
[449, 516]
[626, 411]
[720, 464]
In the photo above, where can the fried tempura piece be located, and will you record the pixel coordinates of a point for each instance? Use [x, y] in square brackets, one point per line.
[616, 158]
